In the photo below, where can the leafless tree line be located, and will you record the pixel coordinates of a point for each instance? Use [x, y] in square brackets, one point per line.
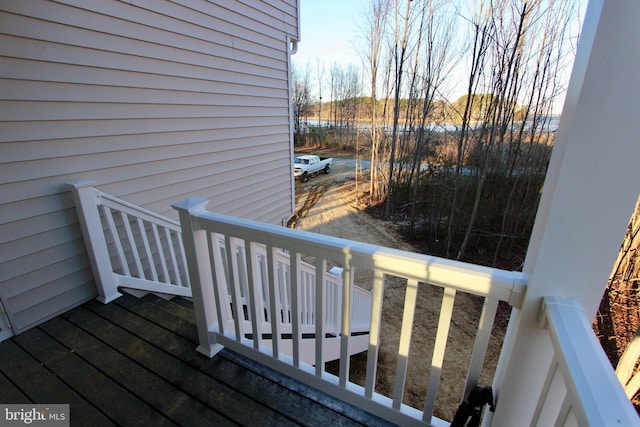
[465, 173]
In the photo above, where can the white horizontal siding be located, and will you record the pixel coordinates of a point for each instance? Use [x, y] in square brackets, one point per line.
[155, 101]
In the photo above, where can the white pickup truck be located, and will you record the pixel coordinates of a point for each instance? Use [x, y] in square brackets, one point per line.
[307, 166]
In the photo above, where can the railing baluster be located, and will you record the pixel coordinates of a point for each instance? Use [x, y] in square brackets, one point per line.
[345, 329]
[547, 410]
[311, 298]
[566, 417]
[446, 311]
[116, 241]
[405, 341]
[302, 297]
[172, 253]
[485, 325]
[274, 303]
[264, 283]
[183, 257]
[551, 372]
[147, 249]
[241, 277]
[374, 333]
[321, 267]
[163, 261]
[250, 253]
[132, 244]
[216, 271]
[306, 307]
[234, 286]
[311, 303]
[285, 304]
[296, 335]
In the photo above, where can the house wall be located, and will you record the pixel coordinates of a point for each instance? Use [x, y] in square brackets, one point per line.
[153, 100]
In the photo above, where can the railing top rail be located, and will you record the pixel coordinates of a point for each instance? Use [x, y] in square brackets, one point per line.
[598, 397]
[137, 211]
[503, 285]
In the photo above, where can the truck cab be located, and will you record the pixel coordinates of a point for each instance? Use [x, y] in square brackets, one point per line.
[309, 165]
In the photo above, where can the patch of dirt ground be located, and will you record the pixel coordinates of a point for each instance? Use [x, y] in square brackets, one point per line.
[327, 205]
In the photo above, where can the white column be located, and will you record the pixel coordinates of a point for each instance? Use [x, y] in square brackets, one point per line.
[589, 194]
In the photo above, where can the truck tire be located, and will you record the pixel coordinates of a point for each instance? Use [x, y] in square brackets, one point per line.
[304, 177]
[327, 169]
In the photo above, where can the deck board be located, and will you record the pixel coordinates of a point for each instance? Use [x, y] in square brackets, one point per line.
[39, 384]
[148, 389]
[10, 393]
[133, 362]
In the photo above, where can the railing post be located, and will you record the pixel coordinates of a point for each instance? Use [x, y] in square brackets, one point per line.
[199, 266]
[87, 209]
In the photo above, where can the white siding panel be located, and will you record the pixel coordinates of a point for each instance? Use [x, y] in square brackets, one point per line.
[44, 51]
[30, 208]
[110, 17]
[190, 156]
[224, 139]
[17, 289]
[61, 129]
[155, 101]
[63, 300]
[34, 244]
[40, 71]
[28, 226]
[32, 96]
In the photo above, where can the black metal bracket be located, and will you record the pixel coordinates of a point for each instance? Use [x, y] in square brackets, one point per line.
[469, 412]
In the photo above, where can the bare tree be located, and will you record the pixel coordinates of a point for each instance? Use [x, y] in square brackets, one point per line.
[374, 36]
[301, 86]
[481, 33]
[440, 56]
[400, 50]
[320, 72]
[495, 158]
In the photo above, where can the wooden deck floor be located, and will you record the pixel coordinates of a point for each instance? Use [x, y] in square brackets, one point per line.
[133, 362]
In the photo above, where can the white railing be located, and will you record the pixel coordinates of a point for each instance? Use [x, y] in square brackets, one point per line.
[129, 246]
[232, 281]
[200, 231]
[133, 248]
[581, 387]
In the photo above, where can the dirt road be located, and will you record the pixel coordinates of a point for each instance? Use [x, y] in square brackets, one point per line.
[327, 205]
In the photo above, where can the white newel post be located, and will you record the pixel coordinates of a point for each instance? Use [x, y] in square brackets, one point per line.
[197, 252]
[87, 208]
[589, 194]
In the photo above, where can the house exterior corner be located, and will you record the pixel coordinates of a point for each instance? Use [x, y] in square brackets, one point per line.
[154, 101]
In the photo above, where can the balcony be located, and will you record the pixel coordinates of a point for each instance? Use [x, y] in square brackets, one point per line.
[552, 370]
[246, 276]
[132, 362]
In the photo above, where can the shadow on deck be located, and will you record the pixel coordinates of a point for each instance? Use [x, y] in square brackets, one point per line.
[133, 362]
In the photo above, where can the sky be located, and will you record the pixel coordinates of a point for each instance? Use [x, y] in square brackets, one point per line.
[331, 29]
